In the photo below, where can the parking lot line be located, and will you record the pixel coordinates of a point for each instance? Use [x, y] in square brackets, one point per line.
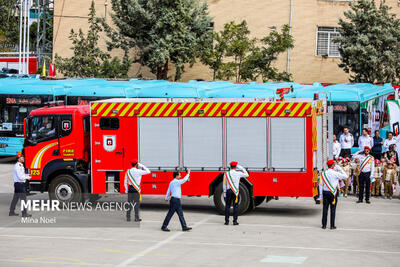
[159, 244]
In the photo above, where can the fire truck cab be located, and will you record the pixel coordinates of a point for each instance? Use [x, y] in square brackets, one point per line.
[282, 144]
[57, 149]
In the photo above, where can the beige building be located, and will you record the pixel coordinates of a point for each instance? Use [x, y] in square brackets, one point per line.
[314, 58]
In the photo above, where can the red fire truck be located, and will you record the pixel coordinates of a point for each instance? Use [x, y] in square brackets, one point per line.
[77, 149]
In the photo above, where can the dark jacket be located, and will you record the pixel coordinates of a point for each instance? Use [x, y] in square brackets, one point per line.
[377, 148]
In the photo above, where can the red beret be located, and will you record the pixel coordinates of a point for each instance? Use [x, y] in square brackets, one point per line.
[330, 162]
[19, 155]
[367, 147]
[233, 164]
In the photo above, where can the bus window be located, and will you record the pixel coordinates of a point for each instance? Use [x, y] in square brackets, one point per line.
[41, 128]
[346, 114]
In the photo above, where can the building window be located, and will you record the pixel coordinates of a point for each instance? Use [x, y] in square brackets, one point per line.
[325, 45]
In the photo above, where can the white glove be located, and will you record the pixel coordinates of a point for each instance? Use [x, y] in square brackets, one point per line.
[320, 197]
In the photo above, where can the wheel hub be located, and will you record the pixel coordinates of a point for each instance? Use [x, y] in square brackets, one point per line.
[64, 192]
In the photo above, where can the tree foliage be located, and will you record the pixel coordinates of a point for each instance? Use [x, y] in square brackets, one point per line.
[160, 32]
[236, 55]
[370, 43]
[9, 24]
[88, 59]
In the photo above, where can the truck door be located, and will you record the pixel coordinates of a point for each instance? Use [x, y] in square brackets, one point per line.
[109, 151]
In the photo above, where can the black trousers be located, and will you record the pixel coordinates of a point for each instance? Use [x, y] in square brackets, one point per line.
[328, 198]
[174, 206]
[364, 184]
[19, 194]
[133, 199]
[229, 201]
[345, 152]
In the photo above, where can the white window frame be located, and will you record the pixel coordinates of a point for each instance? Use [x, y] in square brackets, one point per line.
[335, 30]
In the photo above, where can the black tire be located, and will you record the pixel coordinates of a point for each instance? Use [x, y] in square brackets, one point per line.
[258, 200]
[65, 188]
[244, 199]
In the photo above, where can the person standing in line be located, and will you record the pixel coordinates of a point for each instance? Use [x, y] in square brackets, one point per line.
[346, 141]
[329, 187]
[174, 195]
[376, 150]
[336, 148]
[365, 140]
[132, 182]
[389, 174]
[367, 165]
[355, 170]
[389, 141]
[376, 184]
[230, 186]
[347, 169]
[19, 177]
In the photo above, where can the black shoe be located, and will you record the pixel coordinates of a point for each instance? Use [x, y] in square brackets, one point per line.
[323, 227]
[368, 202]
[165, 229]
[333, 227]
[13, 214]
[26, 215]
[128, 219]
[138, 220]
[235, 223]
[317, 202]
[359, 201]
[187, 229]
[226, 223]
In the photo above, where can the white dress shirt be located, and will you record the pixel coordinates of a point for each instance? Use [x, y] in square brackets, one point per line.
[369, 167]
[336, 149]
[364, 141]
[174, 188]
[235, 175]
[136, 173]
[333, 176]
[387, 143]
[19, 174]
[347, 141]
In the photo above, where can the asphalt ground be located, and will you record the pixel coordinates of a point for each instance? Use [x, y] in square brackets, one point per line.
[284, 232]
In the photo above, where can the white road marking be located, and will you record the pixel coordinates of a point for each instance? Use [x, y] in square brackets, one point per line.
[201, 243]
[302, 227]
[158, 245]
[284, 259]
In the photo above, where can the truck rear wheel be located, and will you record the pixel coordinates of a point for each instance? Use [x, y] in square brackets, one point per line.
[244, 199]
[65, 188]
[258, 200]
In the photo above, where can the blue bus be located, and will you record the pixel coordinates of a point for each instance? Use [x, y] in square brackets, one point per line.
[353, 104]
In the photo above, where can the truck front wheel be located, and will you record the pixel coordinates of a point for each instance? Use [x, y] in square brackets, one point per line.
[65, 188]
[244, 199]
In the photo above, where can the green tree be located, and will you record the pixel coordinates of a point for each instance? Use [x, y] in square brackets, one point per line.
[88, 59]
[235, 55]
[161, 32]
[259, 62]
[370, 43]
[9, 24]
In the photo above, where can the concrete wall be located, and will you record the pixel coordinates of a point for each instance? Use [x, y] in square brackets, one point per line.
[307, 15]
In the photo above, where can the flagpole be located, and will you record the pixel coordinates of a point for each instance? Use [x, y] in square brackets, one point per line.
[20, 37]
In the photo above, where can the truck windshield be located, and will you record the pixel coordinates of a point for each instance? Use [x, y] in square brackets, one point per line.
[41, 128]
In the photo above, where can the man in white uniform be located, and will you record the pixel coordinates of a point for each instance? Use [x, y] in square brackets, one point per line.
[19, 178]
[367, 165]
[328, 188]
[389, 141]
[132, 182]
[231, 185]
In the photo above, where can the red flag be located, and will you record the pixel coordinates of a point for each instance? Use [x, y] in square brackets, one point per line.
[51, 74]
